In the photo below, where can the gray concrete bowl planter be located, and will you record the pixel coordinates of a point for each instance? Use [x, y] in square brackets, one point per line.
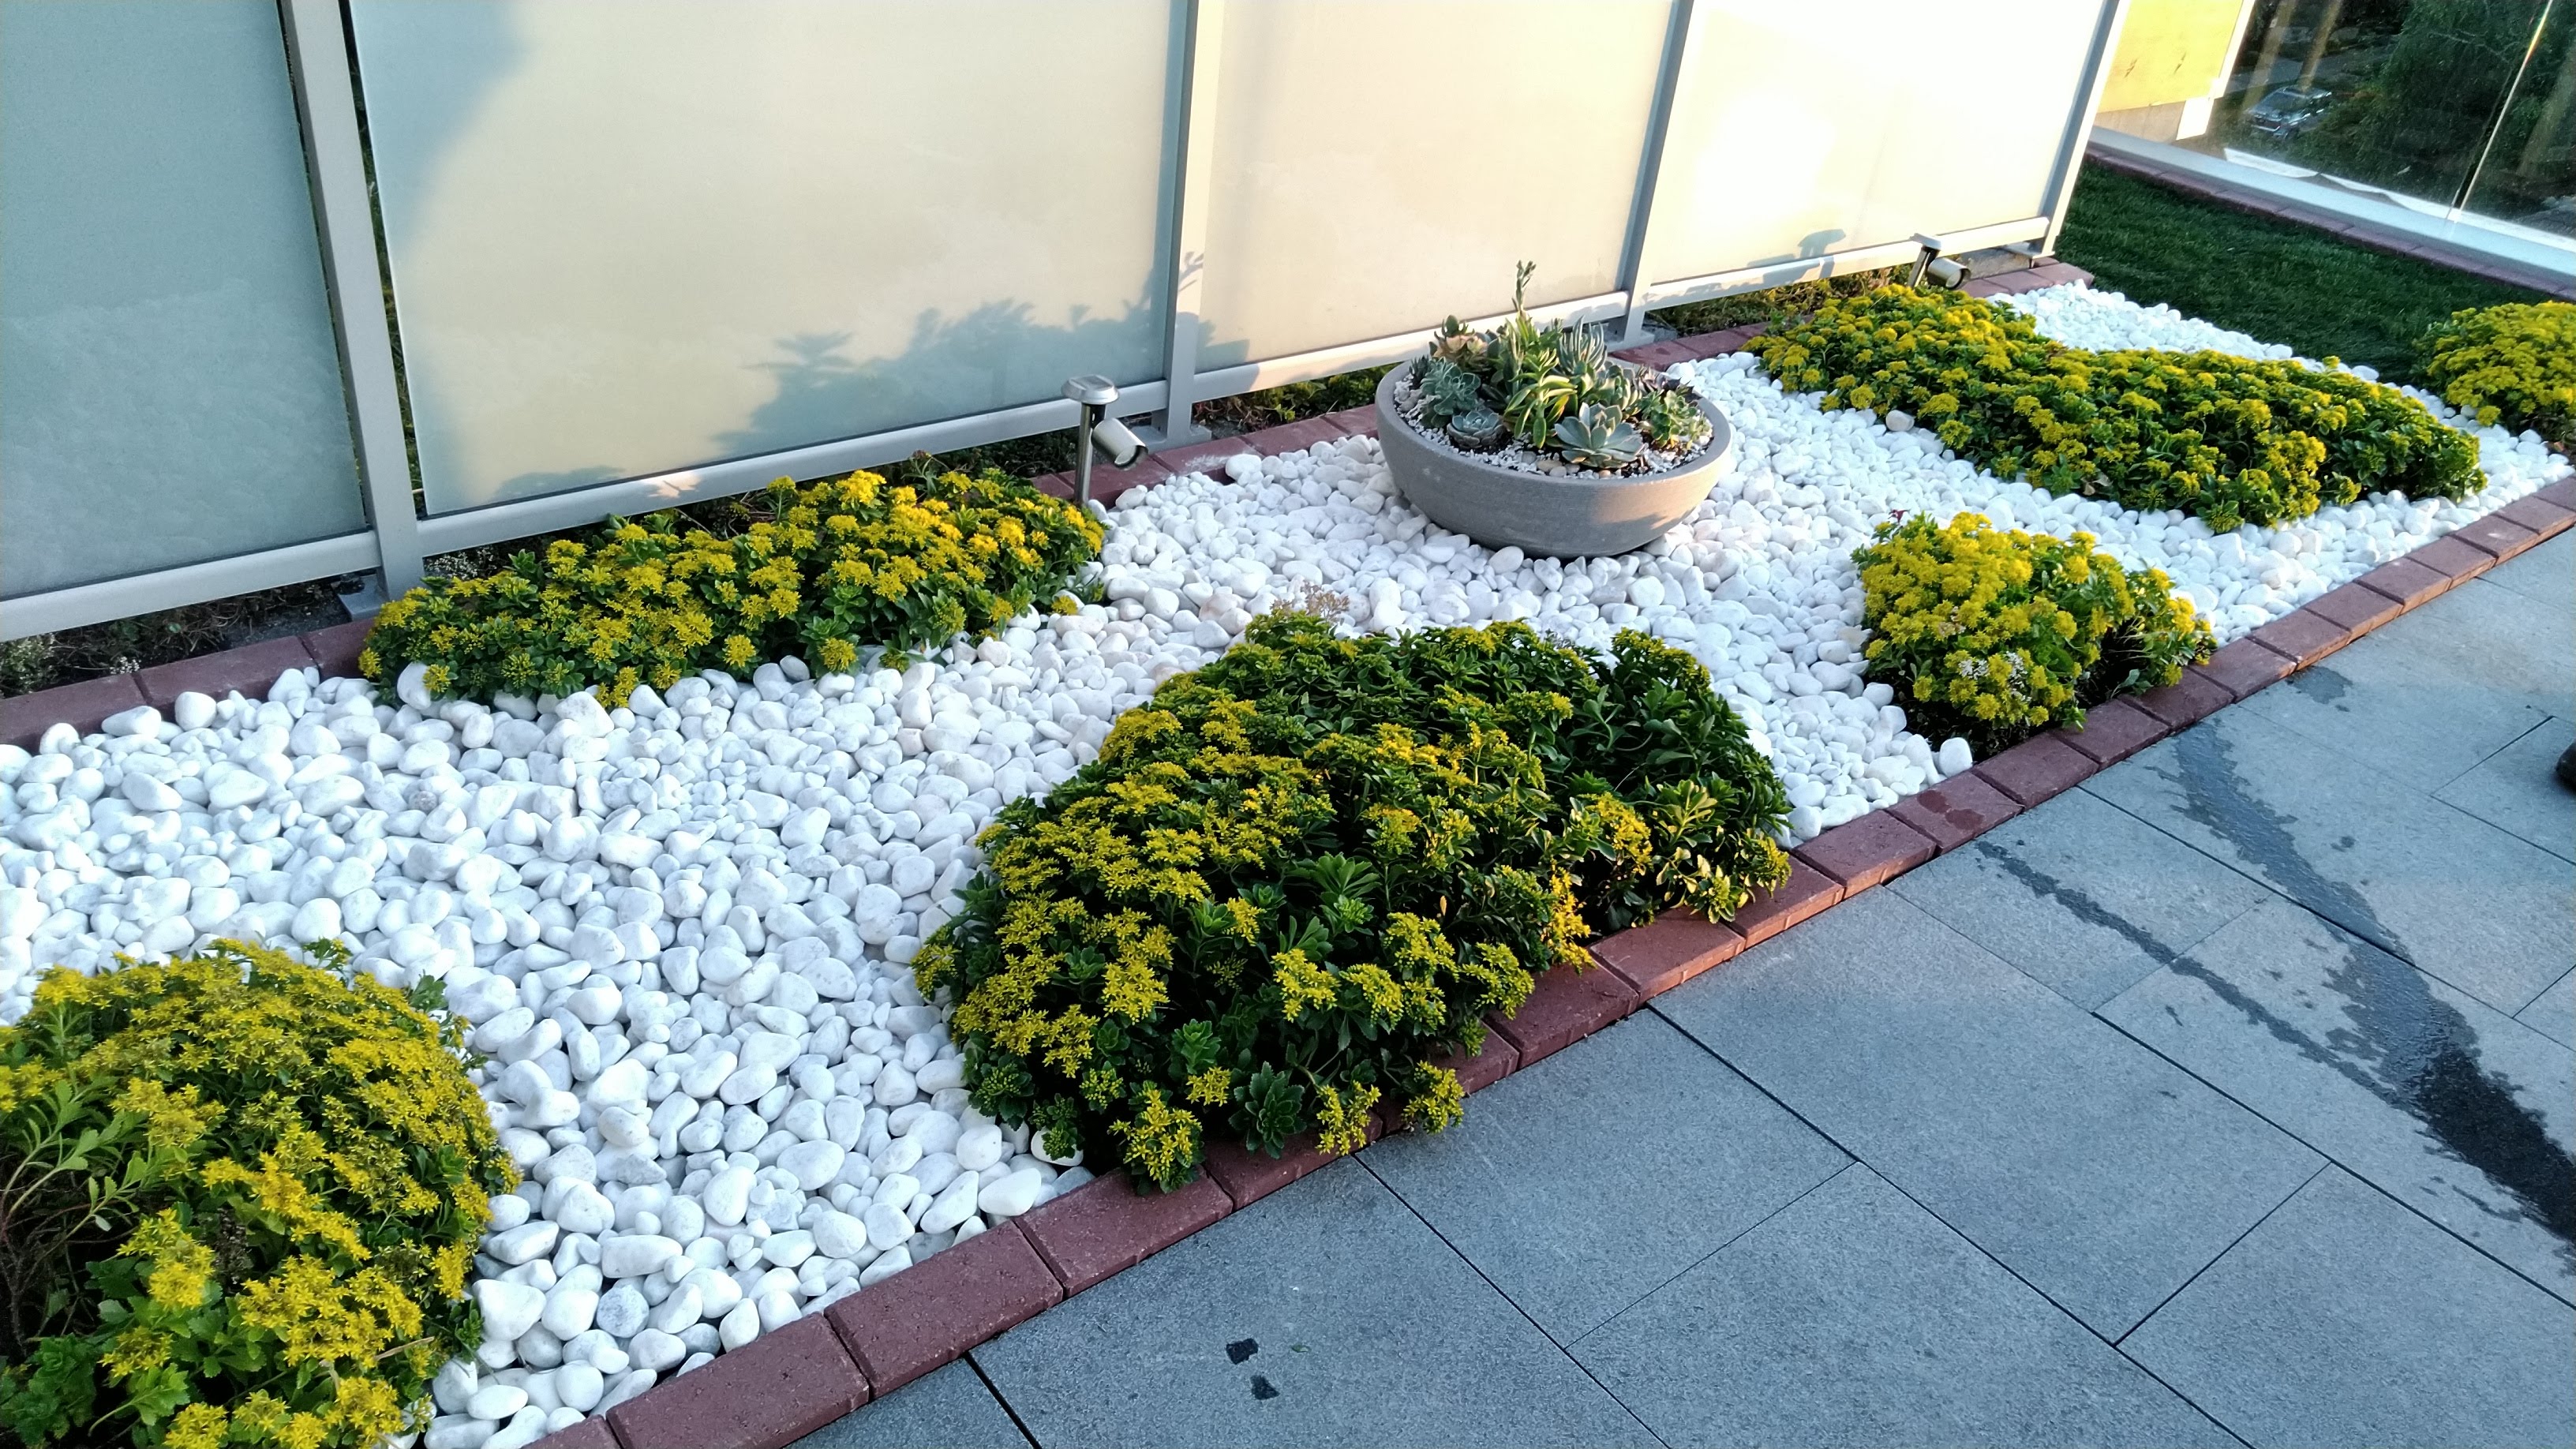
[1562, 516]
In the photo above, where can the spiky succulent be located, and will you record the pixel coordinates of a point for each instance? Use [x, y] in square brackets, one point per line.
[1670, 418]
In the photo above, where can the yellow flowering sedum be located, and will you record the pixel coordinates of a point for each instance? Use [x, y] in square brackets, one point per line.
[838, 566]
[270, 1180]
[1995, 635]
[2229, 439]
[1298, 878]
[2514, 364]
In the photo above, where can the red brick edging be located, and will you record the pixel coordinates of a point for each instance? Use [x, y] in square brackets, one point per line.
[788, 1383]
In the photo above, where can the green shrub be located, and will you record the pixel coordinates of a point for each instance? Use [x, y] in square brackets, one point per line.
[2514, 364]
[843, 565]
[1552, 390]
[239, 1199]
[1296, 879]
[2231, 440]
[1994, 636]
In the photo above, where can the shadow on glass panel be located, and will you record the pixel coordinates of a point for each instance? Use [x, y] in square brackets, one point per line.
[949, 370]
[630, 240]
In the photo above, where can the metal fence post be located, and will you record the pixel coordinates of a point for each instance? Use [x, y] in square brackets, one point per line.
[1633, 278]
[1202, 56]
[317, 53]
[2079, 128]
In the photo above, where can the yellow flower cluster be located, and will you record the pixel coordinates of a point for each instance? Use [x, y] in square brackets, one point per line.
[295, 1171]
[835, 567]
[1342, 1118]
[1999, 634]
[2514, 364]
[2229, 439]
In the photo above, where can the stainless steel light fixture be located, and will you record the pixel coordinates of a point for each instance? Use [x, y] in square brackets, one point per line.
[1098, 431]
[1931, 266]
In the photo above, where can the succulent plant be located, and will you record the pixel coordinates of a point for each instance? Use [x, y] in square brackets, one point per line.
[1480, 431]
[1537, 401]
[1552, 389]
[1448, 389]
[1596, 437]
[1454, 343]
[1670, 418]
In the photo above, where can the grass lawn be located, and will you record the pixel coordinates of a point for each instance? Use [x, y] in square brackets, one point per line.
[2273, 279]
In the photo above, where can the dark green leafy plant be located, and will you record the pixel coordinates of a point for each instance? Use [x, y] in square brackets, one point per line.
[1297, 879]
[1536, 381]
[239, 1197]
[2231, 440]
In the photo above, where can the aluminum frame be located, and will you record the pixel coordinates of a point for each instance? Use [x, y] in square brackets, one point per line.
[399, 538]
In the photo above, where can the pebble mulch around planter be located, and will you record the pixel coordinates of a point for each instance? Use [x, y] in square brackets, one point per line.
[682, 927]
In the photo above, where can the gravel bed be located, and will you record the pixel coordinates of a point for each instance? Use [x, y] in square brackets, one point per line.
[683, 926]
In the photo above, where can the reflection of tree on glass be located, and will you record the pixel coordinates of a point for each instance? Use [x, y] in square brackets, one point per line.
[2530, 171]
[2413, 94]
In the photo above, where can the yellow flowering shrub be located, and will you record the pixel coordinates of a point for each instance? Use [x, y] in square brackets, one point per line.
[1996, 635]
[1295, 880]
[840, 566]
[2228, 439]
[239, 1200]
[2514, 364]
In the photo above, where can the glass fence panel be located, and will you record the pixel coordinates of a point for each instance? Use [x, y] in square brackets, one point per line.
[628, 238]
[172, 383]
[2529, 176]
[1805, 130]
[2391, 99]
[1380, 166]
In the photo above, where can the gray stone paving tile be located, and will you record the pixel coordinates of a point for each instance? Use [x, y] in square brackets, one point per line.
[2546, 573]
[2434, 1097]
[2098, 1172]
[2414, 712]
[2080, 894]
[1325, 1313]
[2517, 789]
[947, 1408]
[2489, 912]
[2488, 637]
[1665, 1175]
[1853, 1318]
[2553, 1012]
[2345, 1319]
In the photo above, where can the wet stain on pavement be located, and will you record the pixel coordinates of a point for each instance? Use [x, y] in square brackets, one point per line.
[2404, 1046]
[2323, 685]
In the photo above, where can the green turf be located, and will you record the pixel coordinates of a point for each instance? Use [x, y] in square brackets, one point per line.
[2275, 280]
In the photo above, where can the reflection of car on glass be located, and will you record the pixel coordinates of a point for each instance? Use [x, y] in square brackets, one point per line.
[2288, 111]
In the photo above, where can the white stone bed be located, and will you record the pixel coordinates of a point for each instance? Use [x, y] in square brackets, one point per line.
[683, 927]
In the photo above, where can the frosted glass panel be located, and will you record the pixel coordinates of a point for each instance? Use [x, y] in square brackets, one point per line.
[1801, 130]
[634, 237]
[1380, 166]
[169, 382]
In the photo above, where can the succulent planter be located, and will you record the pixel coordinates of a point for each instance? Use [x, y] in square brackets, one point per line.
[1563, 516]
